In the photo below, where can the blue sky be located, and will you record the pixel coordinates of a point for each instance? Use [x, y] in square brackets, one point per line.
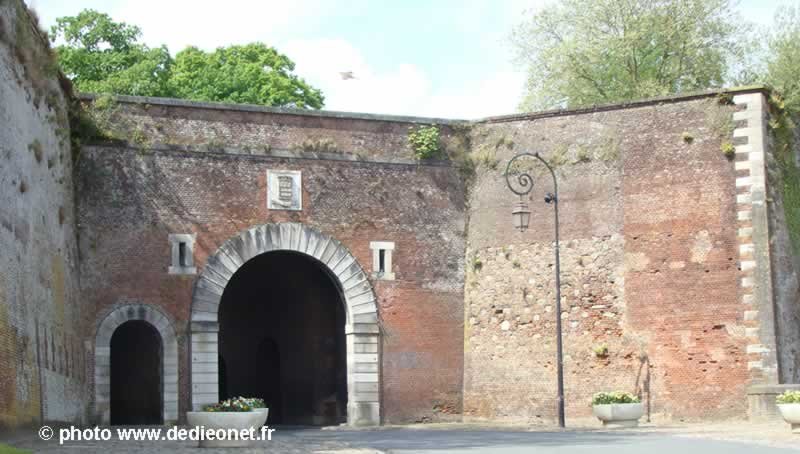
[444, 58]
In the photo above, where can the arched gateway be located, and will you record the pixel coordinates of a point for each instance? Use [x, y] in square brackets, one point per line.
[361, 329]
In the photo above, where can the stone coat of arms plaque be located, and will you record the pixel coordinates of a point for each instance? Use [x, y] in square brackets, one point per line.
[284, 190]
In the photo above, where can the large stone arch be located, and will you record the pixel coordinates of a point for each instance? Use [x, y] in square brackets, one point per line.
[102, 358]
[361, 330]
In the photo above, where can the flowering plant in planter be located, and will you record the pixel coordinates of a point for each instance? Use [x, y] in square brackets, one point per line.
[617, 409]
[256, 405]
[615, 397]
[789, 397]
[230, 405]
[789, 407]
[253, 402]
[232, 414]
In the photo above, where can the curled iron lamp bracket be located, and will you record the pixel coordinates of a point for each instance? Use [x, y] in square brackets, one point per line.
[524, 180]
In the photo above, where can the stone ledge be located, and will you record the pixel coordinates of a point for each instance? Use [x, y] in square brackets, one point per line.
[761, 400]
[625, 104]
[242, 152]
[174, 102]
[772, 389]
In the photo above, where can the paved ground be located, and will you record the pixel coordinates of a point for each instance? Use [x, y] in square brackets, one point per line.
[450, 439]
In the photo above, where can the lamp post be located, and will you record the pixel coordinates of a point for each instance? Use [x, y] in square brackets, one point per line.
[522, 215]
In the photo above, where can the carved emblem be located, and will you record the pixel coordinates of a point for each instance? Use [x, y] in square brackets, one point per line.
[284, 190]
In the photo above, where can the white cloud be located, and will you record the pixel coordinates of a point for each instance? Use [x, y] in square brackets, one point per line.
[497, 94]
[399, 90]
[208, 25]
[404, 89]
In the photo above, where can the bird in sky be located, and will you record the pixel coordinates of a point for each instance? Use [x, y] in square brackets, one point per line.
[347, 75]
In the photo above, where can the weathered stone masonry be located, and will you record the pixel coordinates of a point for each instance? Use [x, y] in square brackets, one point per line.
[43, 355]
[664, 255]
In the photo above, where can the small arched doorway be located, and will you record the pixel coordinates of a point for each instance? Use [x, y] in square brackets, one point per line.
[282, 335]
[164, 359]
[136, 374]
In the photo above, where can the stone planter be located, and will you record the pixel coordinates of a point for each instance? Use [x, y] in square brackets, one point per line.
[791, 414]
[226, 420]
[265, 413]
[619, 415]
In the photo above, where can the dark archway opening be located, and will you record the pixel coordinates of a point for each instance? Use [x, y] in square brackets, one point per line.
[282, 339]
[136, 374]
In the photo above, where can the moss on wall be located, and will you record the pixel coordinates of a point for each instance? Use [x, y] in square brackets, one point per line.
[782, 130]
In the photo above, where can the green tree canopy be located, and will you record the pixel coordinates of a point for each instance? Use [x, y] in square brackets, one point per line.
[103, 56]
[783, 57]
[253, 73]
[583, 52]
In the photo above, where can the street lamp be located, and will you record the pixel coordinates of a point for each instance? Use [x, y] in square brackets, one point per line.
[521, 215]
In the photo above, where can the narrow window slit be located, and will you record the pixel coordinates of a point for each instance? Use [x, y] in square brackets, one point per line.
[182, 253]
[382, 261]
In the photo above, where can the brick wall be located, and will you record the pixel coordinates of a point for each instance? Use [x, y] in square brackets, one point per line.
[133, 198]
[42, 354]
[650, 265]
[259, 130]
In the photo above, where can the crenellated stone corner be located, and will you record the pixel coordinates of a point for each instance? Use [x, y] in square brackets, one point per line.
[753, 237]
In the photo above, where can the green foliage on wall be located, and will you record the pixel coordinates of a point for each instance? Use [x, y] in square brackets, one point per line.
[93, 121]
[782, 127]
[728, 149]
[424, 141]
[325, 145]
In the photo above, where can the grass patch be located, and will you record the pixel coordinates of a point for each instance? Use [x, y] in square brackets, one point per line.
[6, 449]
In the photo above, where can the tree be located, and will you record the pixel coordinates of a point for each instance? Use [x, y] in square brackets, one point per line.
[583, 52]
[253, 73]
[783, 57]
[103, 56]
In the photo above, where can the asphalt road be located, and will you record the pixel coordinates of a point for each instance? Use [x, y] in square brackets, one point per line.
[501, 442]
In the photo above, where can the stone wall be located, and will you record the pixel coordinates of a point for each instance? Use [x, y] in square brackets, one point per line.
[784, 191]
[42, 353]
[650, 264]
[134, 196]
